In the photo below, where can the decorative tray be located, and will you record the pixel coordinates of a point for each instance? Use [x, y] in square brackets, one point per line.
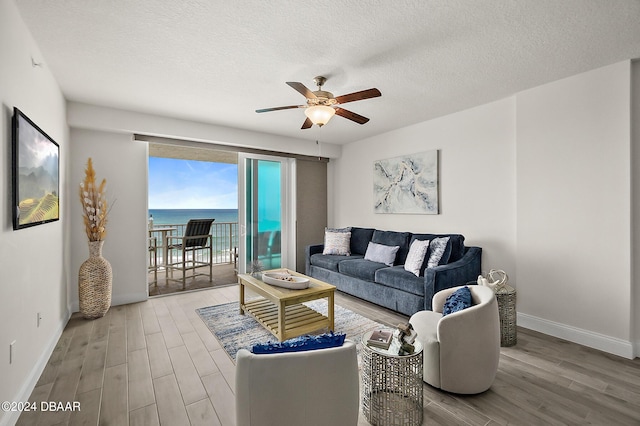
[282, 279]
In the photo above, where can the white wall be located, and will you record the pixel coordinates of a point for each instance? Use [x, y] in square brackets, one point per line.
[477, 180]
[635, 207]
[574, 201]
[542, 182]
[123, 163]
[85, 116]
[33, 261]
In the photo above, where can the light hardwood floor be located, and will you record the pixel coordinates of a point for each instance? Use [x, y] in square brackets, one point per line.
[156, 363]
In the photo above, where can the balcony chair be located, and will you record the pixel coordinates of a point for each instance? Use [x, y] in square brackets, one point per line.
[461, 350]
[190, 251]
[153, 259]
[312, 388]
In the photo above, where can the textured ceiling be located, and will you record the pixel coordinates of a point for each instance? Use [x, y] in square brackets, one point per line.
[216, 62]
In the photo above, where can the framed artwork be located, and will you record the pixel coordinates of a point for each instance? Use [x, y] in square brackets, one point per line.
[36, 179]
[406, 184]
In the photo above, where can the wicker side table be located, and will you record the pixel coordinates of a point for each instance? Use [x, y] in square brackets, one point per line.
[506, 296]
[391, 385]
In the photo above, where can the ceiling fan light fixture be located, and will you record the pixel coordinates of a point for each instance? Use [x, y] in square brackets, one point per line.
[319, 114]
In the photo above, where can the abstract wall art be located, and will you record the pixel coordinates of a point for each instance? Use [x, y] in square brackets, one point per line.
[406, 184]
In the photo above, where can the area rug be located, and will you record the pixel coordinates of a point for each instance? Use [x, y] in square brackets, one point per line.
[235, 331]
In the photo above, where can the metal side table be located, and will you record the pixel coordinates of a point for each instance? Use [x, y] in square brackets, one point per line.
[391, 384]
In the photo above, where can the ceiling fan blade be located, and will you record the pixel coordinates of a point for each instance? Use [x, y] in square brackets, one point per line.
[280, 108]
[351, 115]
[357, 96]
[302, 89]
[307, 124]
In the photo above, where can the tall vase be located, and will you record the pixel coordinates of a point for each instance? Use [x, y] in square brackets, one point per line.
[94, 283]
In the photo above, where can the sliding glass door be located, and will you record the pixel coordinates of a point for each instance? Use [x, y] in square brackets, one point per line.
[265, 212]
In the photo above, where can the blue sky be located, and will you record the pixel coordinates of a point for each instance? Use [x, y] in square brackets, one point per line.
[188, 184]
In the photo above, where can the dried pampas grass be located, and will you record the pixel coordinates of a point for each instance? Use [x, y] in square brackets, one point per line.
[94, 205]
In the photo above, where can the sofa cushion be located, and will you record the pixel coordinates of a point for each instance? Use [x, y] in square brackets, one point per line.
[397, 277]
[393, 238]
[381, 253]
[330, 261]
[337, 241]
[456, 241]
[360, 238]
[360, 268]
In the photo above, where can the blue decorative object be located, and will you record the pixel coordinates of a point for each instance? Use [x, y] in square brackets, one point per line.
[457, 301]
[302, 343]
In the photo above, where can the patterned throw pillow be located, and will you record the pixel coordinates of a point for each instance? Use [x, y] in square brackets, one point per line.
[300, 344]
[415, 258]
[457, 301]
[381, 253]
[337, 241]
[437, 248]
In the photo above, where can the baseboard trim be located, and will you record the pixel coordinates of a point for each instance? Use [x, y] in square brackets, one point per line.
[36, 372]
[117, 300]
[125, 299]
[580, 336]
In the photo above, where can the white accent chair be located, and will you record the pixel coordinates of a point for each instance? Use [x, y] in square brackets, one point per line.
[312, 388]
[461, 350]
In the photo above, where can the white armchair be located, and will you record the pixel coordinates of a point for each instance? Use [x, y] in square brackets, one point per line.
[314, 388]
[461, 350]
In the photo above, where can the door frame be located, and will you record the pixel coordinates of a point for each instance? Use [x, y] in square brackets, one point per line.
[288, 211]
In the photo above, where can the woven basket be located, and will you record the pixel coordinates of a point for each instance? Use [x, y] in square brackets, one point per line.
[506, 296]
[94, 283]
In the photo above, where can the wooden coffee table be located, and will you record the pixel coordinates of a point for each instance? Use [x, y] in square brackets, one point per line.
[280, 310]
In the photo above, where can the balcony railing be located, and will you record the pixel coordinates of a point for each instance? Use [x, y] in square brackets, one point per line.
[224, 239]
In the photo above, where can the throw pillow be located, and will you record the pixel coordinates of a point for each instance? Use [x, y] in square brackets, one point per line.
[437, 248]
[381, 253]
[347, 229]
[300, 344]
[415, 258]
[337, 241]
[457, 301]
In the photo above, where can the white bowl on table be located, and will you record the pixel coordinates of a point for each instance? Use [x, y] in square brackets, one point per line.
[282, 279]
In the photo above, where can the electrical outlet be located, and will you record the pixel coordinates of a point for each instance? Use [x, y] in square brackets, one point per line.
[39, 319]
[11, 349]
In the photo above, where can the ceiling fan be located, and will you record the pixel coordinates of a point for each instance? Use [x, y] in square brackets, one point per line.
[320, 105]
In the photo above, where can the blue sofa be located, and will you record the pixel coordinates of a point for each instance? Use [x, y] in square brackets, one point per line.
[392, 286]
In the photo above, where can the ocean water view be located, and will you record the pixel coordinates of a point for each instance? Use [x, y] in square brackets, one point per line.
[182, 216]
[224, 231]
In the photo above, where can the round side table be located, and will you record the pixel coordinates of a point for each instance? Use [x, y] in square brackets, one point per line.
[391, 384]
